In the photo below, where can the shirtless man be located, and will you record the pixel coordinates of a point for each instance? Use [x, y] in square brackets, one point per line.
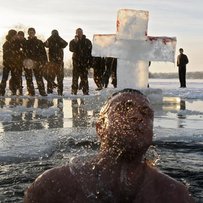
[118, 173]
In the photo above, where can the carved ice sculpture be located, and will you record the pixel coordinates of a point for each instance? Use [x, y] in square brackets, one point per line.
[133, 48]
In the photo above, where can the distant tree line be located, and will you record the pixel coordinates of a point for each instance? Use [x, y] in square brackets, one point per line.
[190, 75]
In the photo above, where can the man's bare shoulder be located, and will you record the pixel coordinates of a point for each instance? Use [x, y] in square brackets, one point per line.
[165, 189]
[58, 183]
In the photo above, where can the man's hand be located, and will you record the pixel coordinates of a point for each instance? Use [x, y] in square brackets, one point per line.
[76, 38]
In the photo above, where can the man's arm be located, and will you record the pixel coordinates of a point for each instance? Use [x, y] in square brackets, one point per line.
[63, 43]
[178, 60]
[186, 59]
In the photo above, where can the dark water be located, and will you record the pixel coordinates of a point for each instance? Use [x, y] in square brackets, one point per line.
[69, 123]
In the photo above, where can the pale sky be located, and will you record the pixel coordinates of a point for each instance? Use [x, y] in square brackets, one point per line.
[172, 18]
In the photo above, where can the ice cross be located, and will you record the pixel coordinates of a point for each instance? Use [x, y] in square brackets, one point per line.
[133, 48]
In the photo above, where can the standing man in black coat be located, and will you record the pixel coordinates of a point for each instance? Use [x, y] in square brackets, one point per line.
[81, 48]
[182, 61]
[56, 44]
[22, 42]
[8, 55]
[11, 63]
[35, 51]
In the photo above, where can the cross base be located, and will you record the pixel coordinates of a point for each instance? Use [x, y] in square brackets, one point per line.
[132, 74]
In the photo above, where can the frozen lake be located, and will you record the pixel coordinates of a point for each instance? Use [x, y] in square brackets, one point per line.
[42, 132]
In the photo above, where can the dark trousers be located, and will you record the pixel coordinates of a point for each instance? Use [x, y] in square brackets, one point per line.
[110, 71]
[5, 74]
[60, 78]
[37, 71]
[79, 71]
[99, 67]
[15, 82]
[182, 75]
[114, 72]
[58, 73]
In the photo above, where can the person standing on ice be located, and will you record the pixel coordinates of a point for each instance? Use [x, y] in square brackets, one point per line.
[119, 172]
[98, 65]
[11, 63]
[182, 61]
[22, 41]
[110, 71]
[16, 82]
[56, 44]
[35, 51]
[81, 48]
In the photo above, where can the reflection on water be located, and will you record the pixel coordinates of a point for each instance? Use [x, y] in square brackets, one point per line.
[182, 117]
[24, 114]
[182, 105]
[179, 113]
[80, 116]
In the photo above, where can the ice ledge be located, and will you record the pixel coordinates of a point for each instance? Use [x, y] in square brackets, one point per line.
[154, 95]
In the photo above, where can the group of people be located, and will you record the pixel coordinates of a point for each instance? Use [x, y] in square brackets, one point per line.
[30, 56]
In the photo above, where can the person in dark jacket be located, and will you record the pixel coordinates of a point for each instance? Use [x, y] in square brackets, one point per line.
[56, 44]
[22, 55]
[35, 51]
[182, 61]
[11, 63]
[81, 48]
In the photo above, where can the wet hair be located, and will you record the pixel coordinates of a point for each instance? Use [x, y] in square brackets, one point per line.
[31, 29]
[10, 34]
[127, 90]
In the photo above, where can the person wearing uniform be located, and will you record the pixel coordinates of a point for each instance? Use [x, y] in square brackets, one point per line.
[35, 51]
[182, 61]
[55, 45]
[11, 63]
[81, 48]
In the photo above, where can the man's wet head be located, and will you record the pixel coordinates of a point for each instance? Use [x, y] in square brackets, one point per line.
[126, 123]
